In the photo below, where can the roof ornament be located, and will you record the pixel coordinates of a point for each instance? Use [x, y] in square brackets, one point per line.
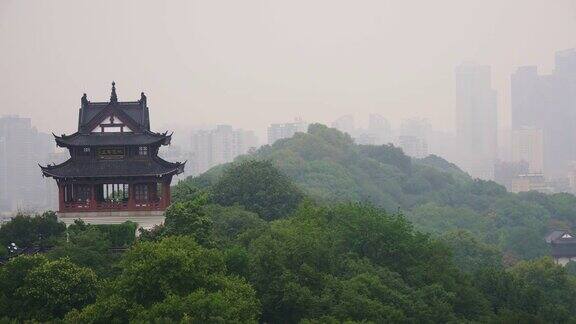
[113, 96]
[143, 99]
[84, 101]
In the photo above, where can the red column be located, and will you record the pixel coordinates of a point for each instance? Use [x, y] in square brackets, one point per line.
[152, 192]
[92, 197]
[131, 200]
[165, 194]
[61, 190]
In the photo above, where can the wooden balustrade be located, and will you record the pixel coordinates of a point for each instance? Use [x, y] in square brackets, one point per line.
[111, 205]
[158, 200]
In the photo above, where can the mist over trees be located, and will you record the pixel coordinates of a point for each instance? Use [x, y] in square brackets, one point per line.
[434, 194]
[314, 229]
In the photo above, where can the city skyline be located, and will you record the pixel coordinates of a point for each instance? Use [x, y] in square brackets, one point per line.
[459, 94]
[250, 65]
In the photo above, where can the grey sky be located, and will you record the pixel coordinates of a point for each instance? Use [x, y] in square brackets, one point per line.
[253, 62]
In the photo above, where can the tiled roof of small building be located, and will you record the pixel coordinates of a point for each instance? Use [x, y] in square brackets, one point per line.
[564, 247]
[555, 234]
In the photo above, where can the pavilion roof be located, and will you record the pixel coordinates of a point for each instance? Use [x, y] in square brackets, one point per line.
[136, 113]
[104, 139]
[151, 166]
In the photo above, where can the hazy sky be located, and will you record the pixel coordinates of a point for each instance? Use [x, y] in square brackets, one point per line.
[253, 62]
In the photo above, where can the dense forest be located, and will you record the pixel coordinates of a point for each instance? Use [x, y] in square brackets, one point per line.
[435, 195]
[313, 229]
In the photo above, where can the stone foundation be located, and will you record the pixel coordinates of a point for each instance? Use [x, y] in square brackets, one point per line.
[144, 219]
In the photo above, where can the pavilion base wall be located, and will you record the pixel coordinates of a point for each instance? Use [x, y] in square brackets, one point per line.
[144, 219]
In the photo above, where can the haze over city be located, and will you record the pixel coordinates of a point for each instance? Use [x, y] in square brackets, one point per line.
[294, 161]
[252, 63]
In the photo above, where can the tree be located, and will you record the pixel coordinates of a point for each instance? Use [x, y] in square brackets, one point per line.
[119, 235]
[174, 279]
[546, 290]
[230, 225]
[259, 187]
[234, 302]
[436, 196]
[389, 154]
[40, 289]
[185, 191]
[87, 247]
[12, 276]
[354, 262]
[48, 227]
[536, 290]
[470, 254]
[26, 230]
[153, 234]
[188, 218]
[107, 309]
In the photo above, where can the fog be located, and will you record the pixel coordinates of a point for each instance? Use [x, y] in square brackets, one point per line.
[254, 62]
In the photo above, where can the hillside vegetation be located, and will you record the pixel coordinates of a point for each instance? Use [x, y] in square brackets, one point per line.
[434, 194]
[312, 230]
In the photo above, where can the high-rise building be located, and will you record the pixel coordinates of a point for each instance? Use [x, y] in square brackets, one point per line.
[51, 188]
[443, 144]
[287, 130]
[413, 146]
[345, 124]
[3, 175]
[220, 145]
[414, 135]
[505, 173]
[531, 182]
[379, 129]
[548, 102]
[566, 63]
[417, 127]
[528, 146]
[23, 148]
[505, 144]
[572, 178]
[366, 139]
[476, 120]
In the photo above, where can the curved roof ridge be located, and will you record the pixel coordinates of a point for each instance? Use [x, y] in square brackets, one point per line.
[113, 168]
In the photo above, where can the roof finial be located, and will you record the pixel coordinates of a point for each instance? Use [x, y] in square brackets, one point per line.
[84, 100]
[113, 96]
[143, 99]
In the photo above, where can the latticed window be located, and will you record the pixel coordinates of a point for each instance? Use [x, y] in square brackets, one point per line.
[85, 151]
[115, 192]
[141, 192]
[81, 193]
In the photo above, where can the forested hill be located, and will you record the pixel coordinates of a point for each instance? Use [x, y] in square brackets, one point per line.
[328, 166]
[267, 239]
[434, 194]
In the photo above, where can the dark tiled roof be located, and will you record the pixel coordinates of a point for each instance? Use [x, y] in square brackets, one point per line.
[137, 111]
[153, 166]
[555, 234]
[564, 247]
[100, 139]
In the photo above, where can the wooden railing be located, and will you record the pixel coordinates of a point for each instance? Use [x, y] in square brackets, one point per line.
[148, 205]
[111, 206]
[77, 205]
[114, 205]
